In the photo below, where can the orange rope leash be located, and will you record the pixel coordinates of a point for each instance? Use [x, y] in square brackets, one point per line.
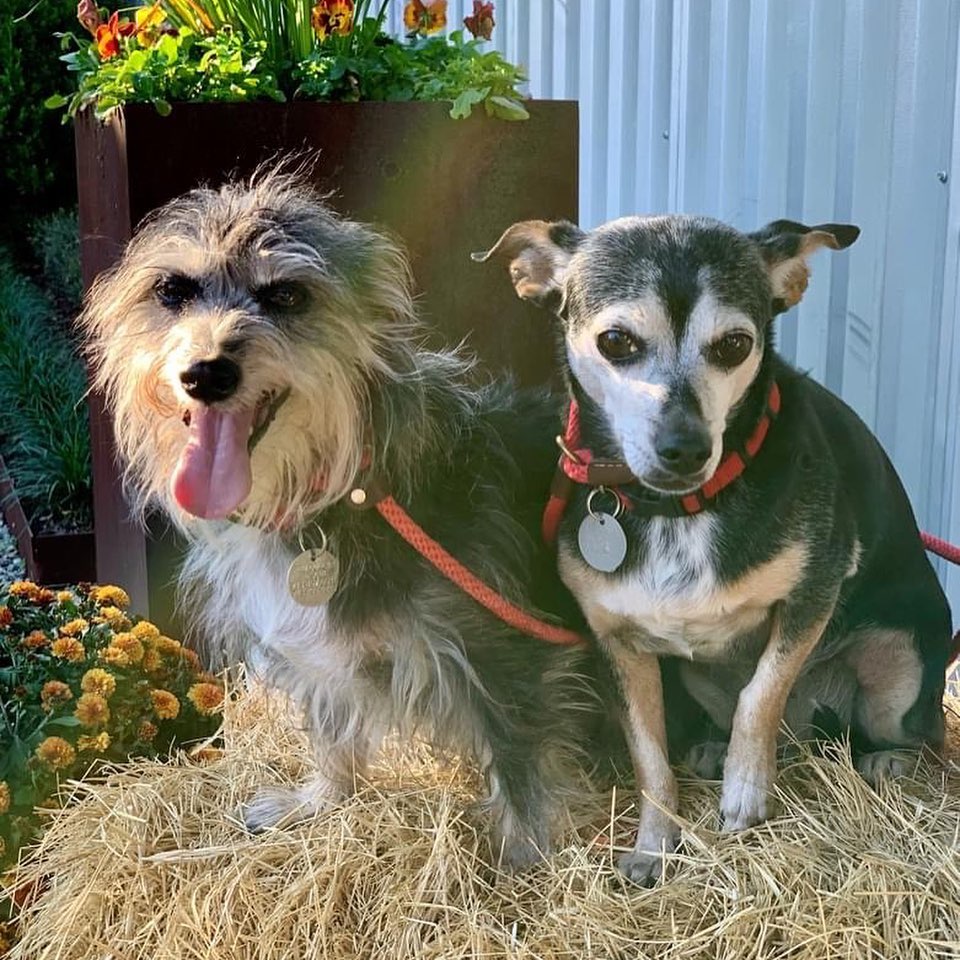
[457, 573]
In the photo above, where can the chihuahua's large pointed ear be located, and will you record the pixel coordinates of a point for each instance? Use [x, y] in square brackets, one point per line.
[785, 246]
[538, 253]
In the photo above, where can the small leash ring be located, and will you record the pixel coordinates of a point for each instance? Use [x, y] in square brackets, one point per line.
[567, 452]
[618, 505]
[323, 540]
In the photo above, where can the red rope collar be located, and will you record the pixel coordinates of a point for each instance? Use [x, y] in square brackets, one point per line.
[578, 465]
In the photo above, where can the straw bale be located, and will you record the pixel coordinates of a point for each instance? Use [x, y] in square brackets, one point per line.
[150, 862]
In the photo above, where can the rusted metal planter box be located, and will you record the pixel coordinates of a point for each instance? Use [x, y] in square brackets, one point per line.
[50, 558]
[444, 187]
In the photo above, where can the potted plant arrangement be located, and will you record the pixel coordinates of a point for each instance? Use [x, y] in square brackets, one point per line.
[427, 135]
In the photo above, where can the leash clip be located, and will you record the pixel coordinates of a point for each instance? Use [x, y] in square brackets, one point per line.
[567, 452]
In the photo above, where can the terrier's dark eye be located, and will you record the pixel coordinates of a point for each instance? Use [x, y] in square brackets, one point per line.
[282, 296]
[730, 351]
[618, 346]
[176, 290]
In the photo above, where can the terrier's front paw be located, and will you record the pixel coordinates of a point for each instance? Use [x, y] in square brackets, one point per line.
[745, 796]
[706, 759]
[279, 807]
[642, 868]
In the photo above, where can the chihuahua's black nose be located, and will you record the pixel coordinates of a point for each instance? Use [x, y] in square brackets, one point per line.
[683, 446]
[211, 380]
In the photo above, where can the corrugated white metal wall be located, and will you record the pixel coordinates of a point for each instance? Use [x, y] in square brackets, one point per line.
[750, 110]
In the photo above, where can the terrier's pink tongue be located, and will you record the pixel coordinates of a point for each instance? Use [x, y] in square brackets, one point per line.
[213, 475]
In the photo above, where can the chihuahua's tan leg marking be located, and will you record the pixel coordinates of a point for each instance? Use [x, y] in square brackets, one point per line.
[751, 764]
[639, 677]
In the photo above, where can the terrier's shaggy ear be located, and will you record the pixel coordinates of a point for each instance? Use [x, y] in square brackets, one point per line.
[538, 252]
[785, 246]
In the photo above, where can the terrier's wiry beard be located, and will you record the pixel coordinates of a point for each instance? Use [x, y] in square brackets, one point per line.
[351, 331]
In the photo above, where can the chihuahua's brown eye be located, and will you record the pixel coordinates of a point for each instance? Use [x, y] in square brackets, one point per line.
[281, 296]
[730, 351]
[176, 290]
[618, 346]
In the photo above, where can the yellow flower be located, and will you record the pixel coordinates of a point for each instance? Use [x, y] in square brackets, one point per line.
[68, 648]
[165, 705]
[64, 596]
[147, 730]
[144, 630]
[56, 753]
[92, 710]
[425, 16]
[34, 640]
[151, 661]
[4, 796]
[53, 692]
[115, 657]
[149, 20]
[99, 681]
[24, 589]
[130, 645]
[332, 17]
[110, 596]
[74, 627]
[113, 617]
[206, 697]
[98, 744]
[166, 645]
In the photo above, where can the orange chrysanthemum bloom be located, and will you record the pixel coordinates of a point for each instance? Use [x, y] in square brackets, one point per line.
[151, 662]
[108, 596]
[53, 693]
[114, 618]
[6, 617]
[44, 596]
[206, 697]
[34, 640]
[24, 589]
[4, 796]
[165, 705]
[114, 657]
[99, 681]
[166, 645]
[92, 710]
[425, 16]
[130, 645]
[68, 648]
[146, 730]
[64, 596]
[56, 753]
[98, 744]
[74, 627]
[190, 657]
[144, 630]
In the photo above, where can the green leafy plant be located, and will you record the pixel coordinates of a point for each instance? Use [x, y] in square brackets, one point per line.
[56, 246]
[81, 682]
[198, 50]
[43, 417]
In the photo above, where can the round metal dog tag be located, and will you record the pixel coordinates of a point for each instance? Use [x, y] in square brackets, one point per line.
[313, 577]
[603, 544]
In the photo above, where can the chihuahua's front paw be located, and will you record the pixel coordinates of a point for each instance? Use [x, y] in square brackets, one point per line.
[745, 796]
[882, 764]
[706, 759]
[279, 806]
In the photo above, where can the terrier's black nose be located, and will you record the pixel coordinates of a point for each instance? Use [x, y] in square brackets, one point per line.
[683, 447]
[211, 380]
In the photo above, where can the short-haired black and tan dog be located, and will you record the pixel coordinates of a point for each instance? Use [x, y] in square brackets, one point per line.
[757, 531]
